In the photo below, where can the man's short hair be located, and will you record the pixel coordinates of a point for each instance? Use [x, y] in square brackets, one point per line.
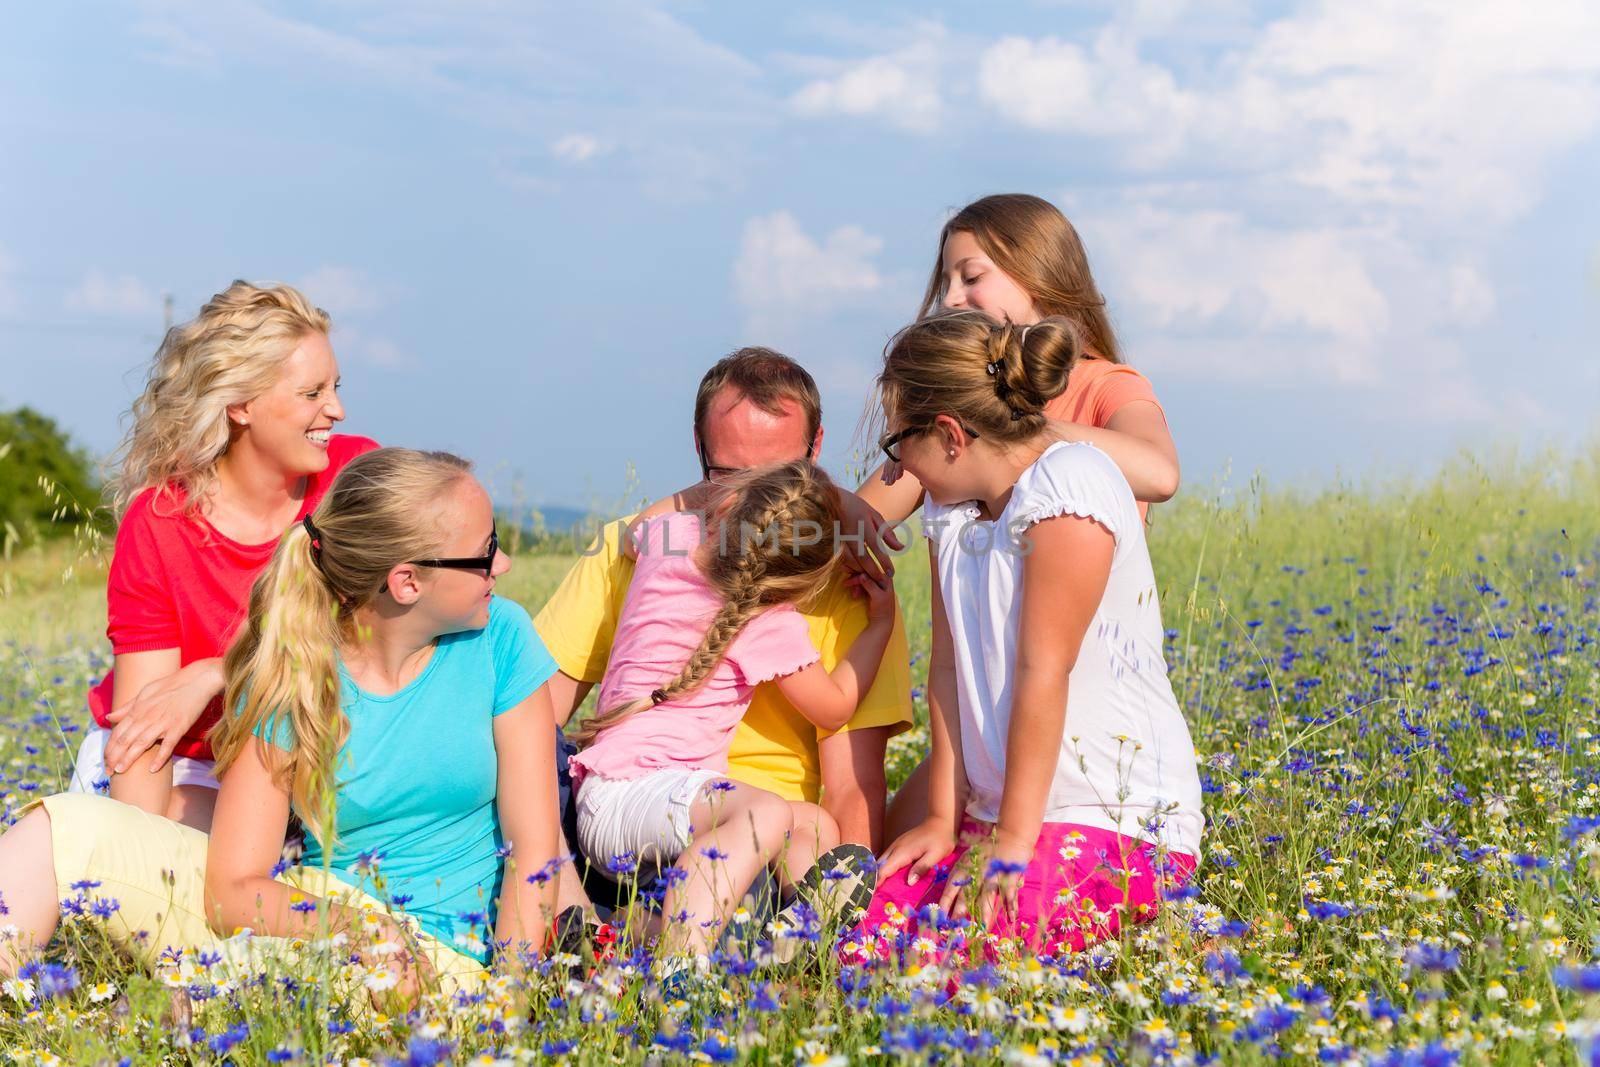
[766, 378]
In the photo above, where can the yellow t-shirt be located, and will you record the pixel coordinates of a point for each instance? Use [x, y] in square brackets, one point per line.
[775, 747]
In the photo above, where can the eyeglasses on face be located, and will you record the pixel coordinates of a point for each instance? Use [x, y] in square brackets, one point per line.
[484, 563]
[890, 442]
[728, 475]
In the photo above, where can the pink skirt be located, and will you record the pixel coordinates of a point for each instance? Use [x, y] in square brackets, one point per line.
[1084, 883]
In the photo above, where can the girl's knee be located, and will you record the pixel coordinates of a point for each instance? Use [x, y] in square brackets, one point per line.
[771, 816]
[814, 823]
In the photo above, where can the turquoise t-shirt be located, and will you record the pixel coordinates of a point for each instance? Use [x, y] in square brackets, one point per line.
[417, 778]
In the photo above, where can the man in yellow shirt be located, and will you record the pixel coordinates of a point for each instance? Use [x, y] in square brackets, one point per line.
[753, 408]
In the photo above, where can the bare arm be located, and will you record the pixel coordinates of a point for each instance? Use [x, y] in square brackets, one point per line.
[1063, 579]
[923, 846]
[853, 787]
[566, 695]
[246, 842]
[893, 492]
[829, 698]
[155, 702]
[525, 754]
[130, 760]
[1137, 439]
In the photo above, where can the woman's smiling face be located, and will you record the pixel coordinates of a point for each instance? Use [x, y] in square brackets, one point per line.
[290, 422]
[971, 280]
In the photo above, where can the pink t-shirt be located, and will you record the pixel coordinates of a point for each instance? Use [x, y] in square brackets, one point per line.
[669, 607]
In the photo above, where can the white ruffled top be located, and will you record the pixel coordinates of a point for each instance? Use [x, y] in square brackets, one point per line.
[1127, 763]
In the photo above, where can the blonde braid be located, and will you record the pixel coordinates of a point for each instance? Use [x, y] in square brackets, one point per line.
[772, 500]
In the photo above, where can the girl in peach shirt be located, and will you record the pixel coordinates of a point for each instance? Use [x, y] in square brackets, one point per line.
[1016, 258]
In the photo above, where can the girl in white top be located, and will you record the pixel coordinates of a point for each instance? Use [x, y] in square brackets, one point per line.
[1064, 788]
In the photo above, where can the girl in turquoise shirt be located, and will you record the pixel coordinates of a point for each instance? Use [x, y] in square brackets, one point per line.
[386, 697]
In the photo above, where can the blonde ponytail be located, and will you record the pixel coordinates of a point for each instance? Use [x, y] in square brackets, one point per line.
[282, 670]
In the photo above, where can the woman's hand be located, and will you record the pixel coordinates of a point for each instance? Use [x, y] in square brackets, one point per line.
[393, 950]
[1000, 864]
[161, 714]
[920, 848]
[868, 538]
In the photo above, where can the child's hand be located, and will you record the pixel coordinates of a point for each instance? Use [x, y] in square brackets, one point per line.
[920, 848]
[879, 593]
[999, 866]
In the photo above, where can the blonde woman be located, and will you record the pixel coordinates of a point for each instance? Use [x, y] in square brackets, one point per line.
[386, 697]
[231, 442]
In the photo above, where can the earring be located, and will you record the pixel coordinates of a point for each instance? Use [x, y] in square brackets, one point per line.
[952, 453]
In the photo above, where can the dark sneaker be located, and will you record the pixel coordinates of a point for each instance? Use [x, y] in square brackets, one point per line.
[831, 896]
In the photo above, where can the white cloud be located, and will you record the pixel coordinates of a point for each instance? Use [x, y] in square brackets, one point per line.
[782, 272]
[124, 295]
[1338, 179]
[578, 147]
[1213, 273]
[342, 290]
[900, 88]
[1451, 109]
[1106, 91]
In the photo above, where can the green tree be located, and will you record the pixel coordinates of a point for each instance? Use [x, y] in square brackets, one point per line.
[47, 483]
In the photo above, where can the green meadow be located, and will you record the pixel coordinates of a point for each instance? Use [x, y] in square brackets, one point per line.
[1392, 690]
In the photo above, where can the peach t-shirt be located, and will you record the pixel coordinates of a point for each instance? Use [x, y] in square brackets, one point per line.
[1096, 390]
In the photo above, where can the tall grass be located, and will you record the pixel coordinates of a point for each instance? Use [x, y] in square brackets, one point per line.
[1392, 689]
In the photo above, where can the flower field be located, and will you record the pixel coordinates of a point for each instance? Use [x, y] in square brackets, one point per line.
[1392, 691]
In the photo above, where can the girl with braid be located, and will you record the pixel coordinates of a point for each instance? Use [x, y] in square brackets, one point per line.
[710, 614]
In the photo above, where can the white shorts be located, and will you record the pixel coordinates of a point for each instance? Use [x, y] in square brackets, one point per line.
[89, 773]
[647, 816]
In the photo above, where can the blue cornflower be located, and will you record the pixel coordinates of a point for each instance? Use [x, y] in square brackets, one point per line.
[718, 1049]
[714, 854]
[1433, 958]
[222, 1043]
[722, 785]
[1582, 979]
[622, 863]
[280, 1055]
[562, 1047]
[425, 1052]
[56, 980]
[1005, 867]
[1225, 965]
[101, 908]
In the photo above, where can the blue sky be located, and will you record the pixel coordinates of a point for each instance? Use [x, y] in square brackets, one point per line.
[1341, 238]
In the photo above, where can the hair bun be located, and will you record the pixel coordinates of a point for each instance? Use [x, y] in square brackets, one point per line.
[1045, 352]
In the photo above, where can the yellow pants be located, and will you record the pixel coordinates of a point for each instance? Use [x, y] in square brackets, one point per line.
[155, 869]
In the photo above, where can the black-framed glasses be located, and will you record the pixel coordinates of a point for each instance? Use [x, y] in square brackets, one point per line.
[484, 563]
[890, 442]
[725, 475]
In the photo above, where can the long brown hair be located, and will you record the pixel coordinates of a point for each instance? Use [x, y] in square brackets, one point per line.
[774, 543]
[1032, 241]
[282, 669]
[941, 365]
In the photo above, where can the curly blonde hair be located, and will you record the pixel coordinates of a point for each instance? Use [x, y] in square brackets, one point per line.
[231, 352]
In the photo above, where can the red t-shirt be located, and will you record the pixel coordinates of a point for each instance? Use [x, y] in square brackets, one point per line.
[176, 582]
